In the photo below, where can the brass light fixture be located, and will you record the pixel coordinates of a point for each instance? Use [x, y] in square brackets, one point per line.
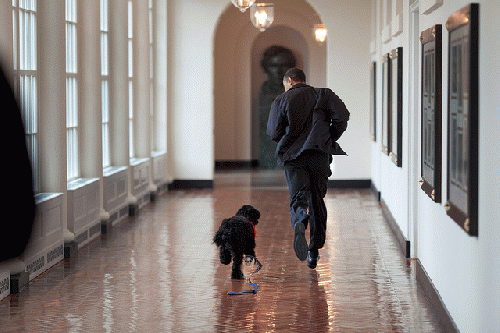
[320, 32]
[262, 15]
[242, 5]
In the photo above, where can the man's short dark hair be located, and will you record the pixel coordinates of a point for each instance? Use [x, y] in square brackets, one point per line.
[295, 74]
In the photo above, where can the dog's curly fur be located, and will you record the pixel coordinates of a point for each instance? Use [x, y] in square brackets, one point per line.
[236, 237]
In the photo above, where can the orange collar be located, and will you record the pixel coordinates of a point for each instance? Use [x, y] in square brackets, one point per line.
[254, 229]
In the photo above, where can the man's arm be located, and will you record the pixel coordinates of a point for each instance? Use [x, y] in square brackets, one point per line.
[277, 122]
[339, 116]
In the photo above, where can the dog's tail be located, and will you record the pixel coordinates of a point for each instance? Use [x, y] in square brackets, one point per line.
[222, 235]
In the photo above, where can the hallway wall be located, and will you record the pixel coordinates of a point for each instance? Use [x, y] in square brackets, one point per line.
[238, 75]
[465, 270]
[192, 82]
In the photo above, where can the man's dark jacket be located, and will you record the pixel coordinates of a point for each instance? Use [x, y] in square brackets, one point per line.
[307, 118]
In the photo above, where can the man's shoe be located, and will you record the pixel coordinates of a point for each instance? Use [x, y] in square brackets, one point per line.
[299, 241]
[312, 261]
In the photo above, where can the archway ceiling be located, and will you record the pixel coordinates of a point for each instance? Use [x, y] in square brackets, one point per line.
[233, 19]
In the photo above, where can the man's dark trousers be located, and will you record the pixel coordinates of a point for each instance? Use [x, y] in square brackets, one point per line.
[307, 178]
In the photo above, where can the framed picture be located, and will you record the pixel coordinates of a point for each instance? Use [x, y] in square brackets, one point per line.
[431, 102]
[396, 112]
[373, 102]
[386, 104]
[463, 124]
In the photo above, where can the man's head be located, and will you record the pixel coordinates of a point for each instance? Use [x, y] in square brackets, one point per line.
[292, 77]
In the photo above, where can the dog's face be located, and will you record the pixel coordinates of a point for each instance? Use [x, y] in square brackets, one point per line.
[249, 213]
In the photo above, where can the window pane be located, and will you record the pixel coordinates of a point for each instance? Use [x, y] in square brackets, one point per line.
[71, 91]
[131, 138]
[104, 54]
[130, 14]
[130, 59]
[105, 124]
[131, 118]
[104, 15]
[105, 146]
[24, 59]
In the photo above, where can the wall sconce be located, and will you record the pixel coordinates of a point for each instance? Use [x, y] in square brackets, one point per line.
[262, 15]
[242, 5]
[320, 32]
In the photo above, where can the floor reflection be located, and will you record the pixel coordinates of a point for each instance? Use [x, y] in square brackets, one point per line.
[159, 272]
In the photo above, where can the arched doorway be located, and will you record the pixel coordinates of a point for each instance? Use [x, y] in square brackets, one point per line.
[293, 41]
[237, 78]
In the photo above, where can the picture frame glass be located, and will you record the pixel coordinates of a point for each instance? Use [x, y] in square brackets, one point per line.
[394, 106]
[431, 112]
[396, 111]
[428, 113]
[386, 105]
[373, 102]
[459, 118]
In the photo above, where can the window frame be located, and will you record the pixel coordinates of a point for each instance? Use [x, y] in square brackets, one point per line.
[105, 105]
[25, 57]
[72, 83]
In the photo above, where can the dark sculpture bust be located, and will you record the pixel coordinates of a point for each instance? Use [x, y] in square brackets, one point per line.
[275, 62]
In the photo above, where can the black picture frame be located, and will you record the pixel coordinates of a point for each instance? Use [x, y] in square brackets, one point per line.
[396, 112]
[373, 101]
[431, 112]
[463, 118]
[386, 104]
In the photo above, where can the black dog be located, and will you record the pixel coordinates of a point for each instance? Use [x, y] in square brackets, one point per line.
[236, 237]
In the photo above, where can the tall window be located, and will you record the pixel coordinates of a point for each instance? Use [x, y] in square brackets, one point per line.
[106, 160]
[130, 81]
[25, 66]
[71, 90]
[151, 74]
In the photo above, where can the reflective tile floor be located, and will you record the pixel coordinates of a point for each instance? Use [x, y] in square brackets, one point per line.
[159, 272]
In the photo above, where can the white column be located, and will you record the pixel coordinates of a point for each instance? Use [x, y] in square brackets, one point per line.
[118, 64]
[90, 93]
[142, 117]
[160, 76]
[142, 91]
[52, 99]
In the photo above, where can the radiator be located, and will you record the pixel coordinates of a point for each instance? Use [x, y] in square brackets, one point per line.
[115, 192]
[4, 284]
[141, 168]
[83, 209]
[159, 168]
[46, 246]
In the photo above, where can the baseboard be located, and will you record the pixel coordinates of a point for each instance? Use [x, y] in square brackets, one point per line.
[430, 292]
[236, 165]
[18, 282]
[349, 183]
[434, 299]
[70, 249]
[186, 184]
[404, 243]
[106, 226]
[376, 192]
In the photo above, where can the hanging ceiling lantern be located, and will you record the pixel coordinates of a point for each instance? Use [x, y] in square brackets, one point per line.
[262, 15]
[320, 32]
[242, 5]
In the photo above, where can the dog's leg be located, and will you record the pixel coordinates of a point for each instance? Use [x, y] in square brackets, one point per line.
[237, 270]
[250, 251]
[225, 255]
